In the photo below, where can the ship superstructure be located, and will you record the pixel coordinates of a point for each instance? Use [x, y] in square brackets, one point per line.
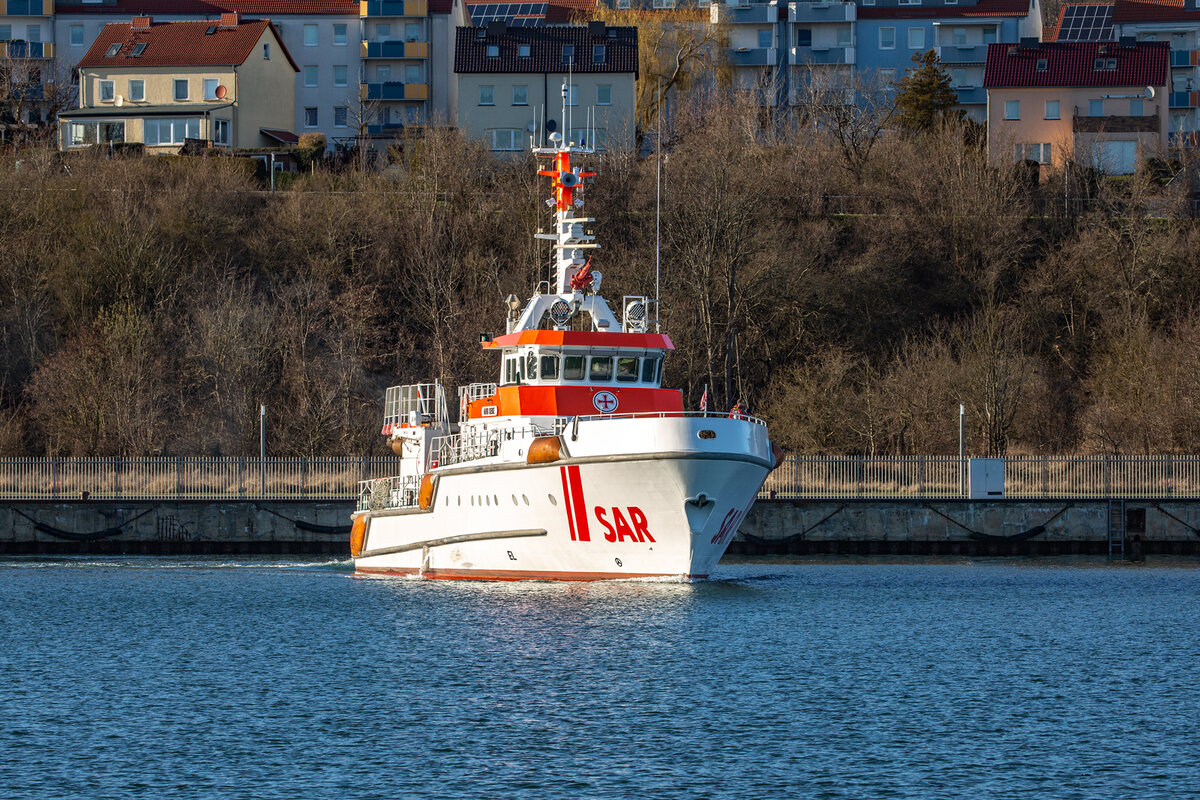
[575, 463]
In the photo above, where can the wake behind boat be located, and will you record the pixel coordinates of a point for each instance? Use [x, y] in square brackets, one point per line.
[576, 464]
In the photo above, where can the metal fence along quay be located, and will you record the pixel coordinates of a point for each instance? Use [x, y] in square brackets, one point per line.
[798, 477]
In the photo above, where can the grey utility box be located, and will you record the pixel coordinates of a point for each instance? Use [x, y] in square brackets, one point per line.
[987, 478]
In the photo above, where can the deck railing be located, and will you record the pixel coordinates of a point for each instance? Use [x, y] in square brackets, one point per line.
[1025, 477]
[189, 478]
[798, 477]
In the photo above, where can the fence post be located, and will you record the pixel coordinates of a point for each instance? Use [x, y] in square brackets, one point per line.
[1107, 485]
[117, 476]
[920, 476]
[1170, 493]
[241, 476]
[54, 477]
[1045, 478]
[178, 476]
[304, 476]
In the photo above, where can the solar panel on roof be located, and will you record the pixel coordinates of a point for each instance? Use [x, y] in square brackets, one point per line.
[1086, 23]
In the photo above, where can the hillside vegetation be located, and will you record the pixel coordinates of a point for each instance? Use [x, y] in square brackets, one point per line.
[147, 306]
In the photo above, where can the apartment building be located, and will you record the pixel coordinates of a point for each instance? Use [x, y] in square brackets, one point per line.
[26, 57]
[228, 82]
[787, 46]
[1100, 104]
[510, 84]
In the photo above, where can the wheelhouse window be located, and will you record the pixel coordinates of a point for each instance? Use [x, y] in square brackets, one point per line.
[627, 370]
[531, 366]
[649, 370]
[573, 368]
[600, 368]
[549, 368]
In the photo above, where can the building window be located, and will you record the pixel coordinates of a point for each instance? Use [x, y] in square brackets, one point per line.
[33, 33]
[210, 88]
[959, 36]
[1095, 108]
[1052, 109]
[520, 96]
[887, 76]
[6, 34]
[910, 2]
[412, 73]
[916, 38]
[804, 37]
[1116, 158]
[383, 73]
[623, 5]
[604, 94]
[598, 52]
[221, 131]
[989, 35]
[1041, 65]
[85, 133]
[1104, 64]
[310, 35]
[1012, 109]
[1041, 153]
[887, 38]
[487, 95]
[339, 116]
[383, 31]
[664, 3]
[310, 75]
[170, 131]
[493, 51]
[523, 51]
[310, 117]
[340, 75]
[339, 34]
[181, 89]
[764, 37]
[958, 77]
[568, 55]
[843, 36]
[77, 35]
[412, 32]
[1137, 107]
[137, 90]
[106, 91]
[506, 139]
[266, 51]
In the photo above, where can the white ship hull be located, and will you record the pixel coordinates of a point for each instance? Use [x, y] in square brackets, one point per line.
[603, 512]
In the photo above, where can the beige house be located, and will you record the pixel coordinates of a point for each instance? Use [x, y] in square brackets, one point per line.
[510, 84]
[228, 83]
[1097, 104]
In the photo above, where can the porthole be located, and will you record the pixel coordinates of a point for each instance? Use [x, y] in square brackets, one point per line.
[707, 434]
[460, 499]
[496, 500]
[487, 500]
[525, 498]
[472, 499]
[514, 499]
[553, 499]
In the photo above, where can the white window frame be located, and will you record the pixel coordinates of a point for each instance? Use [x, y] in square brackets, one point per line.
[1095, 104]
[505, 140]
[78, 131]
[1009, 107]
[891, 46]
[312, 120]
[139, 95]
[178, 127]
[921, 33]
[205, 83]
[1053, 109]
[345, 111]
[219, 126]
[849, 32]
[600, 101]
[1137, 107]
[344, 38]
[187, 89]
[958, 36]
[345, 79]
[311, 75]
[76, 41]
[487, 95]
[106, 91]
[314, 39]
[523, 100]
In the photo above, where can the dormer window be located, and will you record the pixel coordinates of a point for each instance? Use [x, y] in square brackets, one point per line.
[112, 51]
[523, 51]
[598, 54]
[1042, 65]
[493, 51]
[1105, 64]
[568, 54]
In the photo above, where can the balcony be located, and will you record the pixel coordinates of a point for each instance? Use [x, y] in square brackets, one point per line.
[1183, 99]
[1182, 58]
[395, 49]
[753, 56]
[22, 49]
[745, 14]
[810, 12]
[972, 95]
[394, 8]
[803, 56]
[394, 90]
[1114, 124]
[962, 53]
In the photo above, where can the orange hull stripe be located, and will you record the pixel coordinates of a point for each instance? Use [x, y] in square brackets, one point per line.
[518, 575]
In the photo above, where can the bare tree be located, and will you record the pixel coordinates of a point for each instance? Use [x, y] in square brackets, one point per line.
[852, 108]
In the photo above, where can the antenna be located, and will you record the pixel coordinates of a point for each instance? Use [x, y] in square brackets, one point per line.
[658, 217]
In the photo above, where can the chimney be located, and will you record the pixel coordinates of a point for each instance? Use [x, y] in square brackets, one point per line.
[230, 19]
[140, 24]
[496, 28]
[596, 29]
[1029, 43]
[1128, 41]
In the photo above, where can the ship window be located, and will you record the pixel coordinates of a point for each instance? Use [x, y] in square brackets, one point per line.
[649, 369]
[531, 367]
[601, 368]
[573, 368]
[627, 369]
[549, 368]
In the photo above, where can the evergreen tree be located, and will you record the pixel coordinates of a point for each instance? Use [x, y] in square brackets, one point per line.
[925, 96]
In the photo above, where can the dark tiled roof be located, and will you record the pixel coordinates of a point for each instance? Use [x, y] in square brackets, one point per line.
[984, 8]
[560, 11]
[435, 6]
[1153, 11]
[546, 50]
[177, 44]
[213, 7]
[1073, 64]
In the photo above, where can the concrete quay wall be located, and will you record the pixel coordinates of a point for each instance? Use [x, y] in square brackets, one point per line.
[176, 527]
[965, 527]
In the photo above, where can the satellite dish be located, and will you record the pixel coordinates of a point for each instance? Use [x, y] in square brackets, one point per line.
[1149, 92]
[551, 126]
[221, 92]
[120, 101]
[569, 180]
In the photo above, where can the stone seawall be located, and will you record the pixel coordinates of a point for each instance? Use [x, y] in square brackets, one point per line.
[176, 527]
[965, 527]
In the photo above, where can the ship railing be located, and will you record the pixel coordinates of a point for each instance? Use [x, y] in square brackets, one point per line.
[394, 492]
[415, 404]
[477, 391]
[457, 448]
[671, 415]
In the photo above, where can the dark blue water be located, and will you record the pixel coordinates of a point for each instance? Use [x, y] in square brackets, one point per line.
[163, 679]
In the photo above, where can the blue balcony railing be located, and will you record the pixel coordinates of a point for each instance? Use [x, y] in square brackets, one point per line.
[1180, 100]
[822, 12]
[754, 56]
[21, 49]
[394, 90]
[753, 13]
[1181, 58]
[822, 55]
[395, 49]
[972, 96]
[963, 54]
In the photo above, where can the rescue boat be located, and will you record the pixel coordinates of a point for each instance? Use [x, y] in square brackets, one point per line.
[575, 463]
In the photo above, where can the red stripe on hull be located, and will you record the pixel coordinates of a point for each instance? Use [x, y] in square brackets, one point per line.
[518, 575]
[581, 518]
[562, 471]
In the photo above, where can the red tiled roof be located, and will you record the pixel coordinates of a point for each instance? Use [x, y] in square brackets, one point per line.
[546, 50]
[1051, 34]
[1073, 64]
[179, 44]
[984, 8]
[1153, 11]
[435, 6]
[214, 7]
[560, 11]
